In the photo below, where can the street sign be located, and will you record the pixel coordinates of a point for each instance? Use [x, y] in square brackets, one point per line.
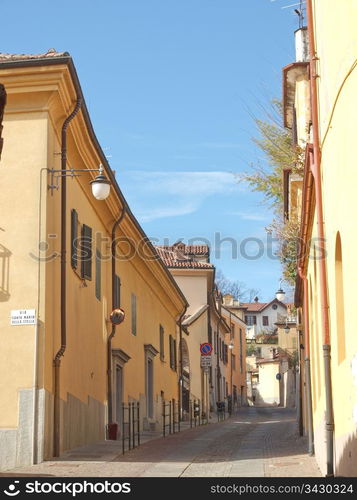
[23, 317]
[206, 349]
[206, 361]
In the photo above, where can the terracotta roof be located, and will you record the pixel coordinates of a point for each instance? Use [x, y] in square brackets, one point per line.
[171, 259]
[254, 306]
[20, 57]
[259, 306]
[188, 249]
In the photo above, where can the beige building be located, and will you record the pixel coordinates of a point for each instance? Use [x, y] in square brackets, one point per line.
[236, 383]
[194, 274]
[68, 259]
[320, 109]
[206, 320]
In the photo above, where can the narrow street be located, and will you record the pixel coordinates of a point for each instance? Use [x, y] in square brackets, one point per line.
[258, 442]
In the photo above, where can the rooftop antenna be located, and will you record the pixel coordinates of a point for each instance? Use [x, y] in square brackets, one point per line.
[299, 11]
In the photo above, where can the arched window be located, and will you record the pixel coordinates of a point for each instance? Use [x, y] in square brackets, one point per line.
[340, 302]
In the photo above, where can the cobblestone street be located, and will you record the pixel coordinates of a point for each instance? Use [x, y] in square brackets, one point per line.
[258, 442]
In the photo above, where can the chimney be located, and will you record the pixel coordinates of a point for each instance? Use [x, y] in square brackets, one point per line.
[228, 299]
[179, 251]
[302, 45]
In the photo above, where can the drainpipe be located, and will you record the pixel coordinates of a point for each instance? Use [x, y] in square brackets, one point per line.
[218, 348]
[181, 361]
[112, 333]
[310, 428]
[61, 351]
[316, 171]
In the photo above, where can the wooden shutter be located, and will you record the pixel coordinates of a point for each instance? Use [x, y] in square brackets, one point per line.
[175, 354]
[74, 236]
[86, 252]
[133, 314]
[162, 343]
[171, 352]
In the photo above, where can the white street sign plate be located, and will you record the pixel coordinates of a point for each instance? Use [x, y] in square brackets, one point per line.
[206, 361]
[23, 317]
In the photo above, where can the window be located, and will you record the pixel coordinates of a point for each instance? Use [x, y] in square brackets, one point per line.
[150, 387]
[98, 274]
[175, 355]
[172, 352]
[133, 314]
[225, 353]
[233, 362]
[162, 343]
[265, 320]
[74, 239]
[86, 252]
[117, 285]
[215, 342]
[251, 320]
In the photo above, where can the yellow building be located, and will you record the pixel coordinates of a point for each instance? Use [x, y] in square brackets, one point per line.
[236, 371]
[69, 259]
[194, 274]
[320, 108]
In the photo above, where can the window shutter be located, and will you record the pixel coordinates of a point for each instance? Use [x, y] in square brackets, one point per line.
[175, 355]
[74, 236]
[133, 314]
[117, 285]
[86, 252]
[171, 352]
[162, 343]
[98, 274]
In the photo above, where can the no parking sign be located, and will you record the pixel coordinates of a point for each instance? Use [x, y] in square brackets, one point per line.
[206, 349]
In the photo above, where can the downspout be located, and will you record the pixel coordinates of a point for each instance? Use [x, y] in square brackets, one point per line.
[310, 427]
[112, 333]
[61, 351]
[218, 349]
[316, 171]
[181, 361]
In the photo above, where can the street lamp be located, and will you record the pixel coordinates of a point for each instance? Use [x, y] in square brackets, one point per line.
[280, 294]
[100, 185]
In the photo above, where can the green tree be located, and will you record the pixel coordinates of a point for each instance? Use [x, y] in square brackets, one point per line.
[275, 141]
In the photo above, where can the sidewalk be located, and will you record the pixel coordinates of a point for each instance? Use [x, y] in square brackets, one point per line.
[258, 442]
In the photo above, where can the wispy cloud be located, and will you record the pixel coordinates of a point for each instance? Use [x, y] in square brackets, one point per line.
[168, 194]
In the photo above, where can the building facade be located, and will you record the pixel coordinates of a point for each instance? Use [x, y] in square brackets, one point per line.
[67, 261]
[260, 317]
[319, 108]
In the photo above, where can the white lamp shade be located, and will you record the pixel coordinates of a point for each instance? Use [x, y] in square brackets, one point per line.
[100, 189]
[280, 295]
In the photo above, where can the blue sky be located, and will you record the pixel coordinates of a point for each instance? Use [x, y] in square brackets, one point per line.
[170, 86]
